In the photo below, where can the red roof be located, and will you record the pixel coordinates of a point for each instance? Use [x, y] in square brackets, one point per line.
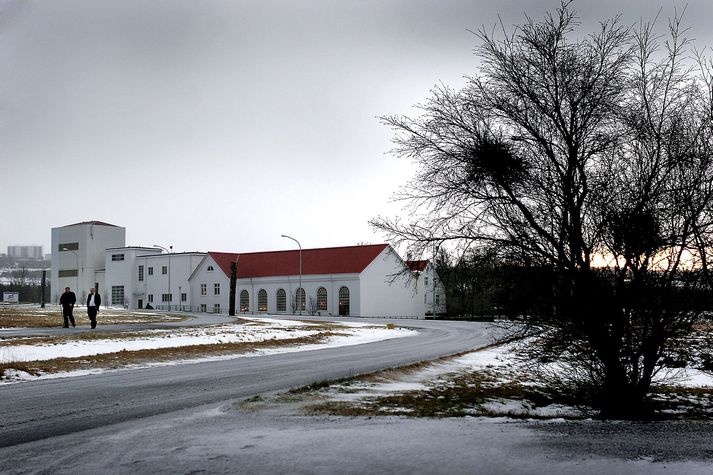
[331, 260]
[417, 266]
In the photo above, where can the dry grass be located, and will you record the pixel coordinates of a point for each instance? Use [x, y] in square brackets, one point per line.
[51, 316]
[123, 359]
[458, 396]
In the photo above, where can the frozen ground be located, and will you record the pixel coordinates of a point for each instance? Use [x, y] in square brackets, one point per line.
[273, 435]
[257, 329]
[278, 439]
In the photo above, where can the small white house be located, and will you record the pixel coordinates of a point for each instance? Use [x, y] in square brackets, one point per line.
[430, 285]
[367, 280]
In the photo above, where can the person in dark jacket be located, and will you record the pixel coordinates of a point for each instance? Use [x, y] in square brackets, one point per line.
[93, 302]
[67, 301]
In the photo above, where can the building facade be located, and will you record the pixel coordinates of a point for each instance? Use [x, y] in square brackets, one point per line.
[366, 280]
[355, 280]
[78, 256]
[430, 285]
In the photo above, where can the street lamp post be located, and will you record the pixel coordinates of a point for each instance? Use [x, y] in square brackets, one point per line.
[299, 304]
[169, 271]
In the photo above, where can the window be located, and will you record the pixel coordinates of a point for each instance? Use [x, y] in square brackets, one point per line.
[150, 297]
[67, 273]
[321, 298]
[150, 270]
[425, 280]
[117, 295]
[216, 289]
[167, 298]
[343, 301]
[204, 289]
[281, 300]
[300, 298]
[438, 299]
[141, 273]
[164, 270]
[204, 308]
[68, 246]
[184, 297]
[117, 257]
[244, 301]
[262, 300]
[216, 308]
[424, 298]
[210, 269]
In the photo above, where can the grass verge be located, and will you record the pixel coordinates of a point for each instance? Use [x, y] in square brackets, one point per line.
[123, 359]
[36, 317]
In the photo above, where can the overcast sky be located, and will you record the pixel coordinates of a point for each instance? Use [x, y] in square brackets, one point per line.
[220, 125]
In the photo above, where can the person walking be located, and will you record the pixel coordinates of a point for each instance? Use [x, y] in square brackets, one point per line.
[67, 301]
[93, 302]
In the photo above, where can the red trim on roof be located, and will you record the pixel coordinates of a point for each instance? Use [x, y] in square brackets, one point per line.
[417, 266]
[331, 260]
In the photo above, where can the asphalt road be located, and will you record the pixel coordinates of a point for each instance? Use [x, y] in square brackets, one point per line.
[45, 409]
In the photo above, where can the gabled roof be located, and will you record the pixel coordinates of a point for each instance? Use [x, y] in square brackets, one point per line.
[330, 260]
[95, 223]
[417, 266]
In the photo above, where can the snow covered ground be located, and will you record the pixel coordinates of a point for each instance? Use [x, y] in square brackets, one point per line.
[496, 360]
[256, 330]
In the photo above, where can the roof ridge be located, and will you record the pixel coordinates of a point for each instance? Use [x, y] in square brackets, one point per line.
[303, 250]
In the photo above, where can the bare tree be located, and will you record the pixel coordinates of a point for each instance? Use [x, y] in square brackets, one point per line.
[312, 305]
[566, 155]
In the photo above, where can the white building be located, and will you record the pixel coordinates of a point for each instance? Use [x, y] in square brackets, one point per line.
[137, 276]
[430, 285]
[78, 256]
[370, 280]
[356, 280]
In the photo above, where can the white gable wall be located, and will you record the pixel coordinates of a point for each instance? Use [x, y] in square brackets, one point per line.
[433, 291]
[209, 278]
[388, 288]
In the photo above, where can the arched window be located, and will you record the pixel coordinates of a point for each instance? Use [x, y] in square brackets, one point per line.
[210, 269]
[343, 301]
[281, 300]
[300, 299]
[322, 299]
[262, 300]
[244, 301]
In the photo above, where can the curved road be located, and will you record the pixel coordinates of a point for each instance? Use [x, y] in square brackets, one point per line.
[43, 409]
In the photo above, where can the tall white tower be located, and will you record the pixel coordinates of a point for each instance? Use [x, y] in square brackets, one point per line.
[78, 255]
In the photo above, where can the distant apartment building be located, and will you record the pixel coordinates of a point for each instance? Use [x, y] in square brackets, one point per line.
[25, 252]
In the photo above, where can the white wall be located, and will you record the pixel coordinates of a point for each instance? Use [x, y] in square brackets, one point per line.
[209, 278]
[431, 292]
[89, 258]
[310, 283]
[123, 273]
[179, 267]
[388, 288]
